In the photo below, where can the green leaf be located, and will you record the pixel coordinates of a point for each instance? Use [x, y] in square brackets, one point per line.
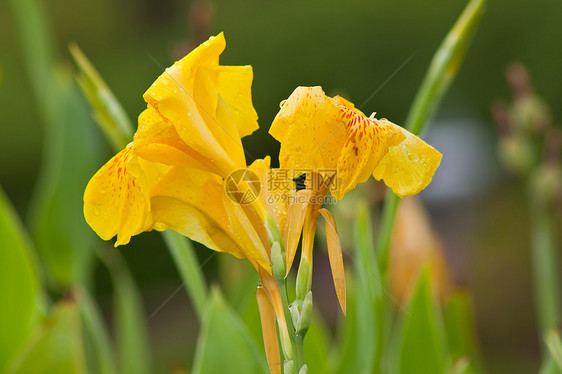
[184, 257]
[439, 76]
[421, 346]
[130, 321]
[461, 366]
[61, 234]
[554, 344]
[316, 345]
[549, 366]
[56, 345]
[461, 331]
[108, 112]
[20, 291]
[224, 344]
[98, 347]
[362, 349]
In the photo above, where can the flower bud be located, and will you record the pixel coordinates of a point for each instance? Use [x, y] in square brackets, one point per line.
[288, 366]
[277, 261]
[305, 315]
[303, 278]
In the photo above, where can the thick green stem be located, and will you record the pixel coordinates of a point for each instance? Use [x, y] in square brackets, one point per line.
[296, 339]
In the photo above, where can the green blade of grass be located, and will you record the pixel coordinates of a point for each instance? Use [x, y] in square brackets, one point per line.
[363, 352]
[184, 257]
[554, 344]
[421, 346]
[442, 70]
[130, 327]
[108, 113]
[102, 360]
[225, 345]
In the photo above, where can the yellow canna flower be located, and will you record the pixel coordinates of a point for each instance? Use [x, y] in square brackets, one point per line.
[319, 132]
[342, 148]
[187, 151]
[171, 175]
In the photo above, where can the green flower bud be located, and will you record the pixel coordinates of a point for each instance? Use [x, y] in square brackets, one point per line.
[277, 261]
[305, 315]
[303, 278]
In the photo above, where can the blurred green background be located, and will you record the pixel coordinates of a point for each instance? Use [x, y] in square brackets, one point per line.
[350, 48]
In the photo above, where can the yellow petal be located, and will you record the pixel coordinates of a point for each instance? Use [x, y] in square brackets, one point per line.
[193, 202]
[189, 96]
[269, 332]
[297, 213]
[272, 194]
[317, 132]
[335, 256]
[367, 142]
[157, 140]
[115, 202]
[274, 294]
[234, 84]
[310, 129]
[408, 167]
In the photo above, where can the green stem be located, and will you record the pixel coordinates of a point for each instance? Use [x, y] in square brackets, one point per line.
[101, 343]
[296, 339]
[545, 267]
[387, 224]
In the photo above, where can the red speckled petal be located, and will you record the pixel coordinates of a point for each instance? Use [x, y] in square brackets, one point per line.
[114, 201]
[368, 140]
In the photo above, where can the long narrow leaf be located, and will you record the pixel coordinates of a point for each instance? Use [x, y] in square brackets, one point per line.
[442, 70]
[554, 345]
[225, 345]
[102, 360]
[60, 233]
[130, 325]
[362, 353]
[56, 346]
[20, 290]
[107, 111]
[421, 347]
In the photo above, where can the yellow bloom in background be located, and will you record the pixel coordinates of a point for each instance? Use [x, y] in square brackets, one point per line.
[415, 245]
[319, 132]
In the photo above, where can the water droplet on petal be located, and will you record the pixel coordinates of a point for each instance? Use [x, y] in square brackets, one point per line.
[282, 103]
